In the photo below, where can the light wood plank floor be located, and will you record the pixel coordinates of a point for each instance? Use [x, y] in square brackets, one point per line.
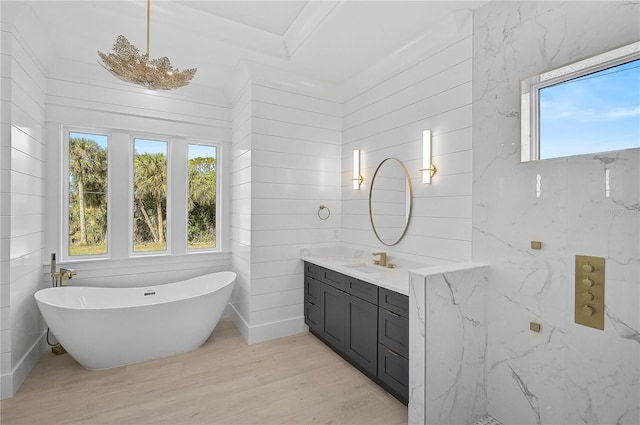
[292, 380]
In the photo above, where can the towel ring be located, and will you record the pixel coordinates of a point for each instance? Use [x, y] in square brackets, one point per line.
[326, 214]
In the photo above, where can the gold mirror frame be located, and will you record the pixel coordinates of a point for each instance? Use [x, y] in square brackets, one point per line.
[410, 201]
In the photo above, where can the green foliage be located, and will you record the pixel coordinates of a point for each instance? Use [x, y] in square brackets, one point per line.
[87, 195]
[88, 200]
[150, 197]
[202, 202]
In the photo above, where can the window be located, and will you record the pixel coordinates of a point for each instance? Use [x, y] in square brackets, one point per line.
[87, 222]
[127, 195]
[201, 196]
[588, 107]
[149, 195]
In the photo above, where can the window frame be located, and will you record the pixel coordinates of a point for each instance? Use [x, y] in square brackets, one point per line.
[530, 88]
[186, 200]
[177, 148]
[67, 130]
[132, 150]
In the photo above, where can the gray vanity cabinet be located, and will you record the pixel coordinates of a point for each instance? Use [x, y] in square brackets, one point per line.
[365, 324]
[333, 312]
[361, 338]
[393, 341]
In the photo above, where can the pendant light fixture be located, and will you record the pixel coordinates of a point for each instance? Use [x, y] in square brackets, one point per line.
[129, 65]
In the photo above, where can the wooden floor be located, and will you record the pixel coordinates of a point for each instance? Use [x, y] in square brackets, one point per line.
[293, 380]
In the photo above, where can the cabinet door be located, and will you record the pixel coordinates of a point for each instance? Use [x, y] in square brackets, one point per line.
[333, 316]
[361, 339]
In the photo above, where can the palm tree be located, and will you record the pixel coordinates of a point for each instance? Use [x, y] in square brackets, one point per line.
[151, 184]
[87, 167]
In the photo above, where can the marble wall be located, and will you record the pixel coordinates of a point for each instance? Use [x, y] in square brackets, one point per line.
[448, 344]
[567, 373]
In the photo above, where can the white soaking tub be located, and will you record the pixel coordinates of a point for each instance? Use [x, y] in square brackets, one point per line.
[108, 327]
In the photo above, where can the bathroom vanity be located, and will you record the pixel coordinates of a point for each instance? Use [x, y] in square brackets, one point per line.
[366, 324]
[419, 331]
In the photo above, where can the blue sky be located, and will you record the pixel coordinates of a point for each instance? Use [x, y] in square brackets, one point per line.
[100, 139]
[595, 113]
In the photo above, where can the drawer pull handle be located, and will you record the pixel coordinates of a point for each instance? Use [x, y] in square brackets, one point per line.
[394, 314]
[393, 353]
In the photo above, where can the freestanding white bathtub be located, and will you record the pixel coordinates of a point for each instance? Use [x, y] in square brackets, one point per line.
[108, 327]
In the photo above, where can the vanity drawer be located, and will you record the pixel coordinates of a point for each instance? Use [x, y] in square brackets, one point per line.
[363, 290]
[395, 302]
[393, 331]
[335, 279]
[312, 290]
[393, 371]
[312, 315]
[312, 270]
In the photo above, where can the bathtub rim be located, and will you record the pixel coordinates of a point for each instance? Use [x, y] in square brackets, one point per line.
[39, 295]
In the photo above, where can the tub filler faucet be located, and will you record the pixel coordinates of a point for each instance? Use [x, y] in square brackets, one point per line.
[66, 274]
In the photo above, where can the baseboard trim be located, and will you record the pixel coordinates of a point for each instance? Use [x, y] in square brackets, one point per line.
[11, 382]
[239, 322]
[266, 331]
[273, 330]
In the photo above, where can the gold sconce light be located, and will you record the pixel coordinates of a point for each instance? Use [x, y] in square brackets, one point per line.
[357, 178]
[428, 169]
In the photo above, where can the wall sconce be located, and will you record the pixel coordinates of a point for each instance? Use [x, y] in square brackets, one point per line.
[357, 178]
[428, 169]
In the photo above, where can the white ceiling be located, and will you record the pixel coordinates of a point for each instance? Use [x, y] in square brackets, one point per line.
[325, 40]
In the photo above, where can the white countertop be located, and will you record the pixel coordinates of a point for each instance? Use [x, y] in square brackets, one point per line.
[348, 261]
[396, 280]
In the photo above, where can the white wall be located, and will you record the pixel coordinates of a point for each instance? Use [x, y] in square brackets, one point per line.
[88, 97]
[567, 373]
[427, 86]
[241, 204]
[287, 150]
[22, 202]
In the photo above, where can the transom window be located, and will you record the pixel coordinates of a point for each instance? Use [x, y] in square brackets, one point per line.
[587, 107]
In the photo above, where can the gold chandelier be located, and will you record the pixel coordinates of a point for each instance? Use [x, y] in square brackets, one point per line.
[129, 65]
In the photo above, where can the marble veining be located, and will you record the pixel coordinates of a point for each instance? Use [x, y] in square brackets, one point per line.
[566, 373]
[448, 357]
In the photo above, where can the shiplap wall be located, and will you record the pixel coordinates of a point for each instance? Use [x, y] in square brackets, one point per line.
[295, 167]
[286, 146]
[88, 97]
[241, 206]
[22, 206]
[385, 118]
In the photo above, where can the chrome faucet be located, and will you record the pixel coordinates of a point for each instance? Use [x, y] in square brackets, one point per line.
[66, 274]
[383, 259]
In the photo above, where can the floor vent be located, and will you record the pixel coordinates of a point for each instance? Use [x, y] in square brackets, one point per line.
[487, 420]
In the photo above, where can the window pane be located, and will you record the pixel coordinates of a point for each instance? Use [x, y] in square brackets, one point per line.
[87, 194]
[149, 195]
[598, 112]
[202, 197]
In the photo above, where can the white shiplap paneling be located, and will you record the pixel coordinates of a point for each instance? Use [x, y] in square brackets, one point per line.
[385, 120]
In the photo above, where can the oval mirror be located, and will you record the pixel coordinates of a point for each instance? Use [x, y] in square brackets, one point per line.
[390, 201]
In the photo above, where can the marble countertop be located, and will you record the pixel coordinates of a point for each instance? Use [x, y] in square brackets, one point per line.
[358, 264]
[396, 279]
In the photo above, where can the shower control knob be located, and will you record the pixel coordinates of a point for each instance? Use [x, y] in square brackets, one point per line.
[587, 268]
[587, 310]
[587, 282]
[587, 296]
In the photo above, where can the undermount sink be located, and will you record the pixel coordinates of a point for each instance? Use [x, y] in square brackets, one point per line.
[363, 268]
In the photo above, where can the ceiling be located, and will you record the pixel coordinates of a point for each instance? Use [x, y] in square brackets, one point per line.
[329, 41]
